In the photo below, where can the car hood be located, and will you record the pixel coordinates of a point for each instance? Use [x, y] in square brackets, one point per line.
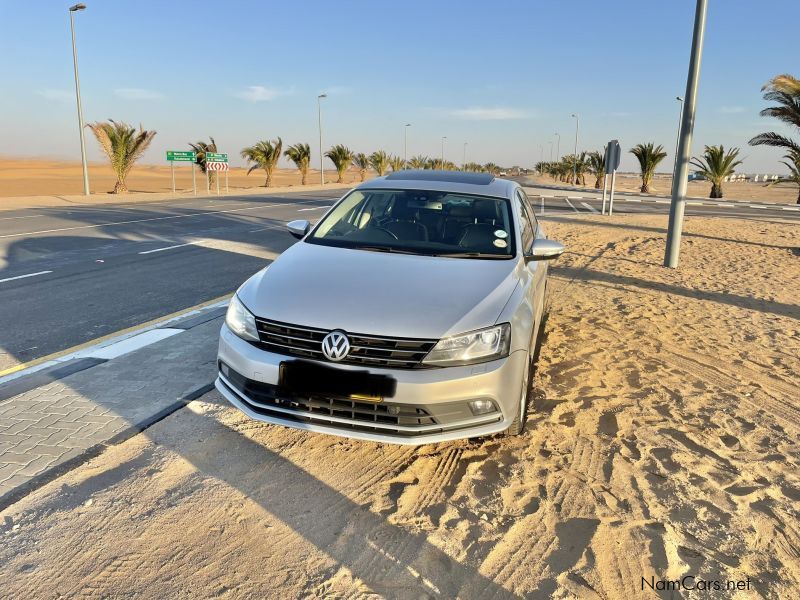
[396, 295]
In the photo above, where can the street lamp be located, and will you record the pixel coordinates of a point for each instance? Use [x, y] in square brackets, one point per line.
[558, 147]
[72, 11]
[680, 176]
[551, 150]
[405, 144]
[678, 136]
[444, 137]
[575, 163]
[464, 161]
[321, 157]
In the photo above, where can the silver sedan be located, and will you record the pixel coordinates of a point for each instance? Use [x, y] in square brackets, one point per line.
[409, 314]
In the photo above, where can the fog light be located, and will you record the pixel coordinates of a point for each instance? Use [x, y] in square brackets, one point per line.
[393, 410]
[223, 368]
[481, 407]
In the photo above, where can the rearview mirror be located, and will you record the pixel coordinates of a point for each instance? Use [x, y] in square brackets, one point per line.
[298, 228]
[543, 249]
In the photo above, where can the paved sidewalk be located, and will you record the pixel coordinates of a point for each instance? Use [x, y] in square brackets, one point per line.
[50, 429]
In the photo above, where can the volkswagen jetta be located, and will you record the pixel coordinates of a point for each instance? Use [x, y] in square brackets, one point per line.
[409, 313]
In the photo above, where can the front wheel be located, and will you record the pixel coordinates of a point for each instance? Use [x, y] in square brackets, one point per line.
[518, 425]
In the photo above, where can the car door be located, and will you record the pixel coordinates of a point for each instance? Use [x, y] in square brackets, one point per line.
[536, 271]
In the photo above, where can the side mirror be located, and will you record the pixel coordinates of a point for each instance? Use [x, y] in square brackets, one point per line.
[543, 249]
[298, 228]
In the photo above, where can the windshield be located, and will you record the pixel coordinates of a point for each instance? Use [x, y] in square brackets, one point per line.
[419, 222]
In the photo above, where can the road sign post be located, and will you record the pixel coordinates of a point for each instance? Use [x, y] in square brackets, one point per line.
[194, 183]
[174, 156]
[613, 154]
[217, 161]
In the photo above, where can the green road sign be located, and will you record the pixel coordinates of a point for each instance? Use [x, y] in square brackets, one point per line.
[181, 156]
[216, 157]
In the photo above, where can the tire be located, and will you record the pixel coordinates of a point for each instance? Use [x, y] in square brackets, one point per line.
[518, 424]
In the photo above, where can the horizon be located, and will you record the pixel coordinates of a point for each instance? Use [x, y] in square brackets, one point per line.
[503, 81]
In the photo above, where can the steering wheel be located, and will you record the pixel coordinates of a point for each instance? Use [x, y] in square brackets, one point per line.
[387, 232]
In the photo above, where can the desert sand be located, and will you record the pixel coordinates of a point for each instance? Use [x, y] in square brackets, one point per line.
[39, 177]
[783, 193]
[665, 441]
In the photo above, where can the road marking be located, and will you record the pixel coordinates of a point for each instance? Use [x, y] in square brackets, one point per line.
[790, 208]
[756, 206]
[25, 217]
[630, 199]
[570, 205]
[662, 201]
[168, 248]
[541, 212]
[723, 205]
[197, 214]
[45, 361]
[24, 276]
[267, 227]
[590, 207]
[130, 344]
[314, 208]
[688, 203]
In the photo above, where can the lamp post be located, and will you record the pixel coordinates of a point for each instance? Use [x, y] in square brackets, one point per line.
[678, 135]
[321, 156]
[558, 147]
[551, 150]
[72, 11]
[405, 144]
[464, 160]
[680, 175]
[444, 137]
[575, 164]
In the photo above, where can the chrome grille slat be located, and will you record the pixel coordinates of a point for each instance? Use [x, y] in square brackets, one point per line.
[369, 350]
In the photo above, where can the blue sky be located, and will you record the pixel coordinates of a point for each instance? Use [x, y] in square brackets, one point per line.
[503, 76]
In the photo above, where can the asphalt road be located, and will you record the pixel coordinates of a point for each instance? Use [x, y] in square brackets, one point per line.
[71, 275]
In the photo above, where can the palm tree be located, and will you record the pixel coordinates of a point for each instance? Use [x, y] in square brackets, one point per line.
[264, 155]
[418, 162]
[397, 163]
[300, 155]
[492, 168]
[785, 90]
[435, 164]
[200, 149]
[361, 162]
[716, 165]
[597, 167]
[380, 162]
[123, 146]
[341, 156]
[648, 155]
[473, 167]
[794, 169]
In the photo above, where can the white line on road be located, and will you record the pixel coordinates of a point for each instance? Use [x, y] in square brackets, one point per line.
[267, 227]
[662, 201]
[25, 217]
[314, 208]
[723, 205]
[24, 276]
[571, 205]
[630, 199]
[167, 248]
[790, 208]
[196, 214]
[756, 206]
[590, 207]
[689, 203]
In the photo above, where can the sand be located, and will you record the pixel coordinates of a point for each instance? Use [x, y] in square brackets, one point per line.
[665, 442]
[38, 177]
[782, 193]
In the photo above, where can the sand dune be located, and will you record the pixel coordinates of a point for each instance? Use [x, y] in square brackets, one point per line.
[665, 442]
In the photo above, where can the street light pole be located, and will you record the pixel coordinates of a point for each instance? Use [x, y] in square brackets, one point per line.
[72, 11]
[575, 164]
[405, 144]
[678, 135]
[321, 156]
[680, 176]
[444, 137]
[558, 147]
[551, 150]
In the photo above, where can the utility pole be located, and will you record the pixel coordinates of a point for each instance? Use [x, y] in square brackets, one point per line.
[678, 134]
[81, 127]
[444, 137]
[681, 173]
[558, 147]
[321, 156]
[405, 144]
[575, 164]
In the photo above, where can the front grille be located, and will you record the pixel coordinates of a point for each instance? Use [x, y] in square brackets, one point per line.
[264, 398]
[368, 350]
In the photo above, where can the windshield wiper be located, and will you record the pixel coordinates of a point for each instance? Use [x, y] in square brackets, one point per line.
[384, 249]
[472, 255]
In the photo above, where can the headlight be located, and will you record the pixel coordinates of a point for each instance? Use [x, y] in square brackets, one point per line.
[474, 347]
[240, 320]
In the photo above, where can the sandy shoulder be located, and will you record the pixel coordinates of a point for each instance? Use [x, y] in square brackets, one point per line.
[665, 442]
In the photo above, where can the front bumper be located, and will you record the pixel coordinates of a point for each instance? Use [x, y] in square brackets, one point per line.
[442, 393]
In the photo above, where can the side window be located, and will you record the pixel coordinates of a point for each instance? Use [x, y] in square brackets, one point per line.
[526, 202]
[526, 226]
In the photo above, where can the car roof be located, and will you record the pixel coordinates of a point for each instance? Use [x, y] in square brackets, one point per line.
[483, 184]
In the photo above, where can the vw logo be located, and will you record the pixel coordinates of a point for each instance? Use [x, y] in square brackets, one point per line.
[335, 346]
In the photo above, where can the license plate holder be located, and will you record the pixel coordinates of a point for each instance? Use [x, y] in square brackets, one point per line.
[307, 378]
